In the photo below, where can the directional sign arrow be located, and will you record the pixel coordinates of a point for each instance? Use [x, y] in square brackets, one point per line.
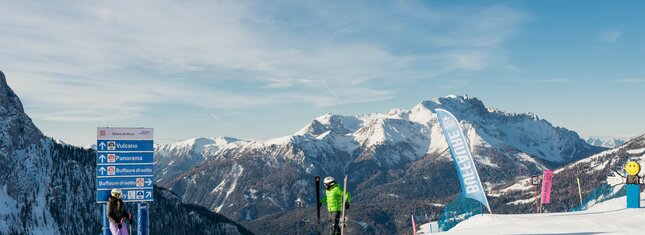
[149, 182]
[102, 170]
[102, 145]
[102, 157]
[148, 194]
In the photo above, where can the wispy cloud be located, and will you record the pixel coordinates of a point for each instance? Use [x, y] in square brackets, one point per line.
[93, 61]
[631, 80]
[546, 80]
[610, 35]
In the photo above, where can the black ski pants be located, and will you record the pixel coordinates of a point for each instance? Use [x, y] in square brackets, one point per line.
[334, 225]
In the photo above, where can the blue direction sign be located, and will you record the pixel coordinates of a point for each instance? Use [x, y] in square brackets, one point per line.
[124, 182]
[124, 145]
[129, 195]
[125, 160]
[124, 170]
[116, 158]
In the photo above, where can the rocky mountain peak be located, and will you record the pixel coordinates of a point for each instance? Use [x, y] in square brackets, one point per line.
[636, 141]
[14, 122]
[338, 124]
[456, 104]
[9, 101]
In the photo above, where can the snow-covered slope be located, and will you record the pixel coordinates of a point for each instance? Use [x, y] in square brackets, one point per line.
[201, 146]
[608, 217]
[171, 159]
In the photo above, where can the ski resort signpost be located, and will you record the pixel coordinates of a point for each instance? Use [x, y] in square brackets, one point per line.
[125, 160]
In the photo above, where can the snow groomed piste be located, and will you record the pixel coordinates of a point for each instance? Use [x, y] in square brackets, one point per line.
[609, 217]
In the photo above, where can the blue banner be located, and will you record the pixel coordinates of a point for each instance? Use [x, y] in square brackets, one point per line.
[124, 182]
[124, 170]
[116, 158]
[129, 195]
[124, 145]
[471, 185]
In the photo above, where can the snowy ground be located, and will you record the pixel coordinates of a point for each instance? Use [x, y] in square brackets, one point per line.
[7, 208]
[428, 228]
[610, 217]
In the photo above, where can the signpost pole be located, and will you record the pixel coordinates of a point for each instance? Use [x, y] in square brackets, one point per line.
[139, 220]
[106, 225]
[147, 218]
[143, 226]
[537, 205]
[535, 181]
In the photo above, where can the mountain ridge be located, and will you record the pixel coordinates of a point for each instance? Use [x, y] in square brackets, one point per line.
[386, 155]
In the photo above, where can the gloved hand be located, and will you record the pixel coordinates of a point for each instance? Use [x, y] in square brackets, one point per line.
[346, 205]
[119, 225]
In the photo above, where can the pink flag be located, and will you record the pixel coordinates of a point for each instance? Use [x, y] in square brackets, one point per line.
[414, 226]
[546, 186]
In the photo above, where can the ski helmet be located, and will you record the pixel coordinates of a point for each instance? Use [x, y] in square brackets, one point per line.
[329, 181]
[116, 193]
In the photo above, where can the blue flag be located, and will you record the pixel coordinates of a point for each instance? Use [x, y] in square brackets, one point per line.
[471, 185]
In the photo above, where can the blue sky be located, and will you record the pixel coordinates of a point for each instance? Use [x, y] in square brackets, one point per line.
[262, 69]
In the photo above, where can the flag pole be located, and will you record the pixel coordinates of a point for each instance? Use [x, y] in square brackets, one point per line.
[579, 190]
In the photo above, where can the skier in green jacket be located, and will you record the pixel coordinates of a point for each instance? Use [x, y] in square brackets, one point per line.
[334, 199]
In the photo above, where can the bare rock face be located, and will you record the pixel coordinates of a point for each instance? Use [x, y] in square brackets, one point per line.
[17, 129]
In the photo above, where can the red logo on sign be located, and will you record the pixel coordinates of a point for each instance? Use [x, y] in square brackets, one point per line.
[111, 157]
[111, 170]
[102, 132]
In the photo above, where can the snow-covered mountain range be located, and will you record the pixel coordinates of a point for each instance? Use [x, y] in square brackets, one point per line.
[48, 187]
[399, 155]
[172, 159]
[606, 141]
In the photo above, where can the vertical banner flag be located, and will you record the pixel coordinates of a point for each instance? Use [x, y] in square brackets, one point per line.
[414, 226]
[547, 180]
[471, 185]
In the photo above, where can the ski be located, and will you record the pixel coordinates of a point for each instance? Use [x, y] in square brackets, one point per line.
[343, 219]
[318, 204]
